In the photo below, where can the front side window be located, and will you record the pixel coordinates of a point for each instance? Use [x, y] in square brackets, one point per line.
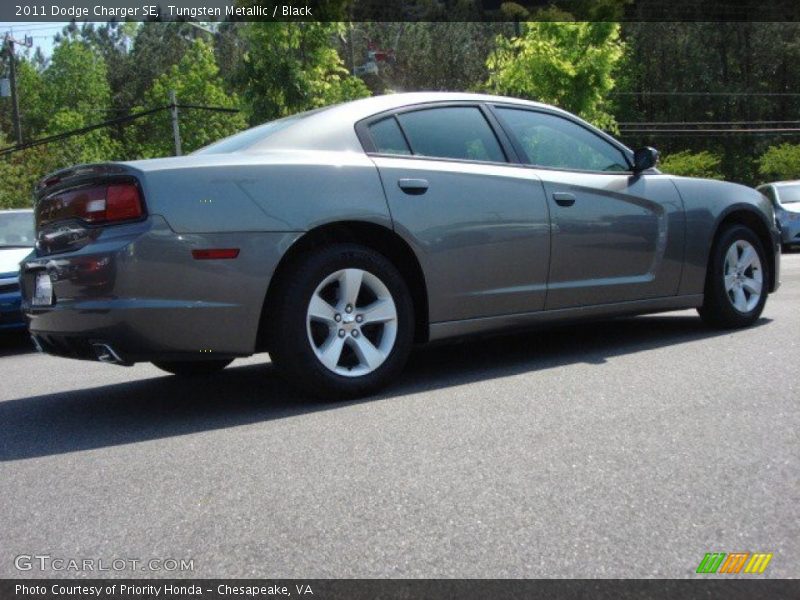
[554, 142]
[456, 132]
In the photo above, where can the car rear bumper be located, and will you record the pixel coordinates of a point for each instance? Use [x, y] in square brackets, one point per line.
[137, 291]
[137, 330]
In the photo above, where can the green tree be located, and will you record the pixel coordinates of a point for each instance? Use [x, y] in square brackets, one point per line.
[19, 172]
[567, 64]
[70, 93]
[30, 91]
[291, 67]
[692, 164]
[77, 79]
[157, 47]
[444, 56]
[196, 80]
[112, 41]
[733, 74]
[75, 93]
[780, 162]
[94, 146]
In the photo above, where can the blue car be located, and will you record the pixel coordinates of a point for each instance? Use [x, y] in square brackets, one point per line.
[16, 242]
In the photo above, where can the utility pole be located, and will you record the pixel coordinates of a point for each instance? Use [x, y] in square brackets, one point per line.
[176, 132]
[350, 42]
[12, 71]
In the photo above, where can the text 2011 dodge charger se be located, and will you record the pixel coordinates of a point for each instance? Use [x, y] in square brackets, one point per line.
[337, 238]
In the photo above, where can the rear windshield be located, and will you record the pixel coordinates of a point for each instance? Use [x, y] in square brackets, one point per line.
[789, 194]
[251, 137]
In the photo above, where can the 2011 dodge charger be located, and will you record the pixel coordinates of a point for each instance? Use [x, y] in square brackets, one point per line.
[337, 238]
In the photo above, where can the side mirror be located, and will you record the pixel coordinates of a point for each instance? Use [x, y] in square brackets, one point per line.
[645, 158]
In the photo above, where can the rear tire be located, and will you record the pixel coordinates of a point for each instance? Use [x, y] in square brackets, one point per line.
[737, 281]
[341, 325]
[192, 368]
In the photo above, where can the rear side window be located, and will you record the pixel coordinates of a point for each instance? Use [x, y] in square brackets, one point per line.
[388, 138]
[458, 132]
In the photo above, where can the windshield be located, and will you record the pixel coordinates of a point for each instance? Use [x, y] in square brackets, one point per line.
[251, 137]
[789, 194]
[16, 230]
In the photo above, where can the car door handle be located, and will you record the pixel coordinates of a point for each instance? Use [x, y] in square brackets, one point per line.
[564, 198]
[414, 187]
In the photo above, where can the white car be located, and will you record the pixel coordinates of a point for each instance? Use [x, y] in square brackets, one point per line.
[17, 239]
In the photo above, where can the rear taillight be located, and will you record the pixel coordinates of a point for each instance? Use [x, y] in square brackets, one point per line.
[123, 202]
[110, 203]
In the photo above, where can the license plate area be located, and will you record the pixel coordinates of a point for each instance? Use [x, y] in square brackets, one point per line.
[42, 290]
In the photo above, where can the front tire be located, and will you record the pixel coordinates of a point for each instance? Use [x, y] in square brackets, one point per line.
[192, 368]
[342, 323]
[737, 281]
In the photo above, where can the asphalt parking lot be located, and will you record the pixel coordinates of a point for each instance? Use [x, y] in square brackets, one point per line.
[627, 448]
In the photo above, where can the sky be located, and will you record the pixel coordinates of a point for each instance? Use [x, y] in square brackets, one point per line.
[42, 33]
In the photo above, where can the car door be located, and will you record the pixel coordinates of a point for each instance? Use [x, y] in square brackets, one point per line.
[616, 236]
[478, 224]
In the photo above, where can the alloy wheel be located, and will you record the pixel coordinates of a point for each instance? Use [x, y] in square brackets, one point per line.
[743, 275]
[351, 322]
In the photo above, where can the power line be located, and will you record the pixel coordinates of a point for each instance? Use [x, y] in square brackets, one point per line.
[718, 130]
[650, 93]
[670, 123]
[209, 108]
[80, 131]
[25, 28]
[689, 134]
[117, 121]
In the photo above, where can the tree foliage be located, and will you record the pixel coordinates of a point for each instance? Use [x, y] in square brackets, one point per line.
[780, 162]
[20, 171]
[195, 80]
[734, 73]
[291, 67]
[570, 65]
[30, 87]
[76, 80]
[70, 93]
[692, 164]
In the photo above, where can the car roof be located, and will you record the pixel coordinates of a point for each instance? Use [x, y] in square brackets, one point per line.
[332, 128]
[15, 210]
[785, 183]
[365, 107]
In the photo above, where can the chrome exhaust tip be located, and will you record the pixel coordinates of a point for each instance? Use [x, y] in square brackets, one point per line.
[106, 354]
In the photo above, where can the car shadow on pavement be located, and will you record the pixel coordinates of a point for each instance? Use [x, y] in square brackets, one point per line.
[159, 407]
[15, 342]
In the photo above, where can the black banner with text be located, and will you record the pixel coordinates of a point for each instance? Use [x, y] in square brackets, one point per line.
[396, 589]
[405, 10]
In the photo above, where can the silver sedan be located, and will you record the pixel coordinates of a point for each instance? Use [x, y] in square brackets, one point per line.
[338, 238]
[785, 198]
